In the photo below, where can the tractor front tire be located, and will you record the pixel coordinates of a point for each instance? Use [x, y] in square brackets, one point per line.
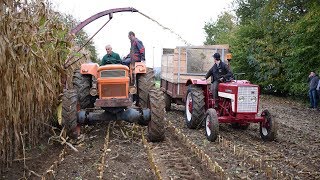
[69, 112]
[195, 107]
[82, 83]
[156, 126]
[268, 128]
[212, 125]
[145, 84]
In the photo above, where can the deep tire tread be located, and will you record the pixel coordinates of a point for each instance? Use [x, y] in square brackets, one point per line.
[272, 133]
[145, 84]
[156, 126]
[82, 83]
[69, 112]
[198, 107]
[214, 125]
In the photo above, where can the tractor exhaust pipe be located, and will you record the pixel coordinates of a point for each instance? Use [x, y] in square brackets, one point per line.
[130, 115]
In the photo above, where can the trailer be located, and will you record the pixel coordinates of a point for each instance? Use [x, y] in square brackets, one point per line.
[183, 63]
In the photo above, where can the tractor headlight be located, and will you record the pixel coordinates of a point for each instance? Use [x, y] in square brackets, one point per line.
[253, 99]
[241, 98]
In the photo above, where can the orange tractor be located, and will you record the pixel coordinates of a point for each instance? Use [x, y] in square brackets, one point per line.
[116, 91]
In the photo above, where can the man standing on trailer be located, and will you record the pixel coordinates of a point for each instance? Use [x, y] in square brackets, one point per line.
[220, 72]
[137, 51]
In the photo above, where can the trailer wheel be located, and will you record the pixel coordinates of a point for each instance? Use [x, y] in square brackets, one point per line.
[195, 107]
[157, 107]
[145, 84]
[268, 128]
[82, 83]
[167, 100]
[70, 107]
[212, 125]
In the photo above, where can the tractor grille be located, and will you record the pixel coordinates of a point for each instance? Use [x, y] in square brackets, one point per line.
[113, 90]
[112, 73]
[247, 99]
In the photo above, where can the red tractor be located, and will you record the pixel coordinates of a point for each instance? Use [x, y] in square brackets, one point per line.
[238, 105]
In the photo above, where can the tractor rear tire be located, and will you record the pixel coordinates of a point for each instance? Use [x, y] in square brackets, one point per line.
[156, 126]
[70, 106]
[145, 84]
[82, 83]
[212, 125]
[195, 107]
[167, 100]
[268, 129]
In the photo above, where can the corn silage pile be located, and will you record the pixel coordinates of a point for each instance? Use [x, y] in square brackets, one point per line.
[33, 49]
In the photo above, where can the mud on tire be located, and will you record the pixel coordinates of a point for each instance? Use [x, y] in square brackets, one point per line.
[145, 84]
[82, 83]
[195, 107]
[69, 112]
[157, 106]
[212, 125]
[269, 128]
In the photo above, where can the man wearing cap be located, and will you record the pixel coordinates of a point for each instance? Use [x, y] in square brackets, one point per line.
[137, 51]
[111, 57]
[219, 72]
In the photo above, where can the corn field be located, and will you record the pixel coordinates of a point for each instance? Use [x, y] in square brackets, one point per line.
[33, 49]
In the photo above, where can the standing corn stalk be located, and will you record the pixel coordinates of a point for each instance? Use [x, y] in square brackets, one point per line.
[32, 53]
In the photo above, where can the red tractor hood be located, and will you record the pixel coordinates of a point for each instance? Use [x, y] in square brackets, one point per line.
[231, 87]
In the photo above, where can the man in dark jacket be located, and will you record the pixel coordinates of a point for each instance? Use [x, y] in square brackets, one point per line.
[318, 90]
[220, 72]
[313, 82]
[137, 51]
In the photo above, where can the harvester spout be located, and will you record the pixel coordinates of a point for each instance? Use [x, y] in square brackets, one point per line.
[109, 12]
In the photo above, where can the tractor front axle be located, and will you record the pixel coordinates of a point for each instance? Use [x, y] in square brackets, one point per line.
[131, 115]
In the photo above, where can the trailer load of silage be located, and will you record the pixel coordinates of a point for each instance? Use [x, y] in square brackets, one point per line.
[33, 49]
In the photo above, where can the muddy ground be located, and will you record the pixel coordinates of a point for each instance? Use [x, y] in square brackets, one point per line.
[119, 153]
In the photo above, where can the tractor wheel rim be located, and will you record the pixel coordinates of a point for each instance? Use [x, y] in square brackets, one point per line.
[188, 104]
[264, 131]
[208, 124]
[265, 127]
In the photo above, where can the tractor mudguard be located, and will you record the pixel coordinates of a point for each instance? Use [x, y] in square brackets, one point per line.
[90, 68]
[140, 68]
[196, 81]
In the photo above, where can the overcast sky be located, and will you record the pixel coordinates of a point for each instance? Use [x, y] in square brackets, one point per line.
[186, 18]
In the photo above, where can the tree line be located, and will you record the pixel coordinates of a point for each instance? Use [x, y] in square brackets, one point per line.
[81, 37]
[274, 42]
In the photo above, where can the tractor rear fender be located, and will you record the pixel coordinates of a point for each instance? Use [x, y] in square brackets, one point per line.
[197, 82]
[140, 68]
[90, 68]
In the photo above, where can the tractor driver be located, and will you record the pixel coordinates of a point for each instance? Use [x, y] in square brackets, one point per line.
[111, 57]
[220, 72]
